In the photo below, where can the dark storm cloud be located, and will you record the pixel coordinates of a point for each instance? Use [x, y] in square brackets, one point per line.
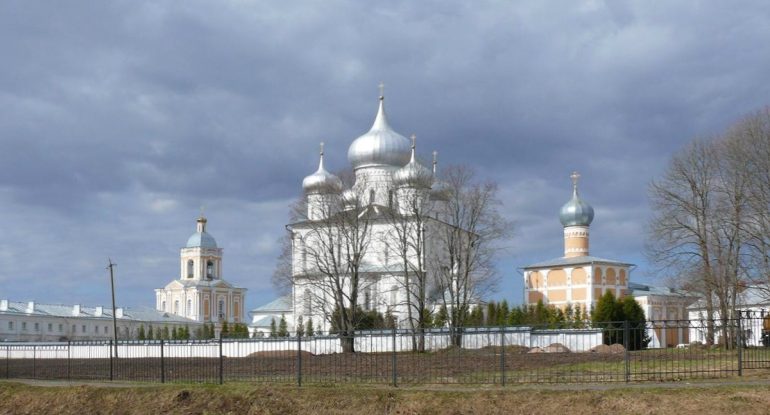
[121, 118]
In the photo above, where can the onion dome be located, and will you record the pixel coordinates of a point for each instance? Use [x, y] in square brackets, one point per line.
[440, 190]
[201, 238]
[413, 174]
[321, 182]
[381, 146]
[576, 212]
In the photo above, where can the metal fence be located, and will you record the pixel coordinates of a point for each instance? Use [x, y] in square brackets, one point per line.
[607, 352]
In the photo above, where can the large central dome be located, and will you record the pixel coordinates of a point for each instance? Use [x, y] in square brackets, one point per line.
[381, 146]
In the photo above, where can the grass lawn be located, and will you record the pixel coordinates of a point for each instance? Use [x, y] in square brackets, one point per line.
[244, 398]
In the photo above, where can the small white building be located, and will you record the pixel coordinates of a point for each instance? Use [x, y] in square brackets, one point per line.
[29, 321]
[753, 303]
[263, 316]
[201, 293]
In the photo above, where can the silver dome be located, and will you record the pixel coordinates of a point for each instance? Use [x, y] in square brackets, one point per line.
[349, 198]
[413, 174]
[381, 146]
[321, 182]
[576, 212]
[440, 190]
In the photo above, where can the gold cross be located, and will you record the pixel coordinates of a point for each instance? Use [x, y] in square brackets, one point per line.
[322, 148]
[382, 89]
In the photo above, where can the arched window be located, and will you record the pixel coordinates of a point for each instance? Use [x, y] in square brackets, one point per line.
[190, 268]
[371, 196]
[393, 295]
[221, 309]
[176, 306]
[209, 269]
[189, 308]
[307, 302]
[163, 305]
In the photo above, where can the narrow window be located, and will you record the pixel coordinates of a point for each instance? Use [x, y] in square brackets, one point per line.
[390, 199]
[371, 196]
[190, 268]
[37, 326]
[393, 295]
[221, 309]
[176, 306]
[50, 327]
[368, 299]
[61, 328]
[163, 305]
[24, 325]
[189, 308]
[210, 269]
[96, 329]
[84, 328]
[10, 325]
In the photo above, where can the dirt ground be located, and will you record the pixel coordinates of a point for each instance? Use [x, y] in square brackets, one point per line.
[451, 366]
[239, 398]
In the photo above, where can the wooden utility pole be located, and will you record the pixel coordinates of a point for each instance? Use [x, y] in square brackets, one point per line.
[114, 316]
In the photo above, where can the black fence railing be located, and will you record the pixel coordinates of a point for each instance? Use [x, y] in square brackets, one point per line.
[607, 352]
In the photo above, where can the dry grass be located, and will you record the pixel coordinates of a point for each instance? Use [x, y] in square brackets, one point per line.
[262, 399]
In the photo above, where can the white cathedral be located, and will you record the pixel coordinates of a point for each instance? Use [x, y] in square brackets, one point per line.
[390, 182]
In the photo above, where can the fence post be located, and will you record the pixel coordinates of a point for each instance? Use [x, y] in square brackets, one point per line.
[7, 362]
[626, 355]
[502, 355]
[221, 362]
[34, 361]
[111, 368]
[740, 345]
[394, 363]
[69, 360]
[162, 364]
[299, 359]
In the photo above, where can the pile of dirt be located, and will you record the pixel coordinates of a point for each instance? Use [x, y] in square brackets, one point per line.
[556, 348]
[280, 353]
[551, 348]
[608, 349]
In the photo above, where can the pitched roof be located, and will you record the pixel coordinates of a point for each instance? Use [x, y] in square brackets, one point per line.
[578, 260]
[280, 304]
[639, 290]
[62, 310]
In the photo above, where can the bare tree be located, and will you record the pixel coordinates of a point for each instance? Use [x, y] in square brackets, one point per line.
[701, 224]
[407, 221]
[464, 247]
[751, 152]
[680, 238]
[282, 279]
[333, 251]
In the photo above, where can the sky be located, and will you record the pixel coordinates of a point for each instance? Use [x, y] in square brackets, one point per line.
[120, 119]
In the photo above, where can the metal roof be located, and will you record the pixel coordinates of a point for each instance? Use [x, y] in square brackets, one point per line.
[280, 304]
[578, 260]
[62, 310]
